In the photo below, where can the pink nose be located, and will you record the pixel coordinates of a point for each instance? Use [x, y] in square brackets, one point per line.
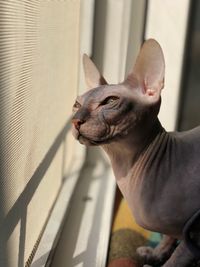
[77, 123]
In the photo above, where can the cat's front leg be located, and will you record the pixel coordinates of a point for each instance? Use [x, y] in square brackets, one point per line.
[181, 257]
[160, 253]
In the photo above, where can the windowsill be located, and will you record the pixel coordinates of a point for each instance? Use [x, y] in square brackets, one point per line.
[85, 234]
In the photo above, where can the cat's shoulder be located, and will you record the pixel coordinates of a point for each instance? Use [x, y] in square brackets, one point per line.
[190, 139]
[192, 133]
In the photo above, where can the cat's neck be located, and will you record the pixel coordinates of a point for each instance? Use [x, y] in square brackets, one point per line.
[125, 153]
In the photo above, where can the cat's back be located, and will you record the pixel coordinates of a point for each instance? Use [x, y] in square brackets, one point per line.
[191, 136]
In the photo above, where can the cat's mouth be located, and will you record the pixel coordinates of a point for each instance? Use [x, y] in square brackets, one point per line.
[84, 139]
[88, 141]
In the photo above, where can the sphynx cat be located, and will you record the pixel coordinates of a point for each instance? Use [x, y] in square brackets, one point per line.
[158, 172]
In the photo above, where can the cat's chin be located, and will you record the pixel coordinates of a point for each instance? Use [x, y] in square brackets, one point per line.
[89, 142]
[84, 141]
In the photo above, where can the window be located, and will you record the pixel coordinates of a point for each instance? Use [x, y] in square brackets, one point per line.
[190, 94]
[42, 168]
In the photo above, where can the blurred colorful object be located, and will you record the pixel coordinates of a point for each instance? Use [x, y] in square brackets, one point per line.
[126, 237]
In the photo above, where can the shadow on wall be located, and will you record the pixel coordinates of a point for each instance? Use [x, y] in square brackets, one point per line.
[18, 212]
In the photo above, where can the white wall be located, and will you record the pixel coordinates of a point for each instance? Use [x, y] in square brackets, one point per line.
[167, 23]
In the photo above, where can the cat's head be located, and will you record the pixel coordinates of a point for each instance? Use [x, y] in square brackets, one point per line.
[106, 113]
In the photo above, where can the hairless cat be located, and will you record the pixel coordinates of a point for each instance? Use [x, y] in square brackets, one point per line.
[158, 172]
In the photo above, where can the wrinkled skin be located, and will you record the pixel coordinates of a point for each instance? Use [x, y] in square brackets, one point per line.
[157, 172]
[108, 113]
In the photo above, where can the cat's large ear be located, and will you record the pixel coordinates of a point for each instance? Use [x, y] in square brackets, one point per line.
[93, 77]
[148, 72]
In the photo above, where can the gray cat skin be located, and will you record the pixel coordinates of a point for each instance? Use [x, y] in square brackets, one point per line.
[158, 172]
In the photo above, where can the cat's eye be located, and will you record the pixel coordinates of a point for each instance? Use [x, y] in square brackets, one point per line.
[77, 105]
[109, 100]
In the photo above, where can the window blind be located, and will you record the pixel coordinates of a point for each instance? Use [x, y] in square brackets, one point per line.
[39, 56]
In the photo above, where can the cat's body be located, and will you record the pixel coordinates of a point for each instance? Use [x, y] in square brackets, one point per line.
[162, 194]
[157, 172]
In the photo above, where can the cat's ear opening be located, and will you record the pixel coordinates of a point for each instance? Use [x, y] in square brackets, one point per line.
[93, 77]
[148, 72]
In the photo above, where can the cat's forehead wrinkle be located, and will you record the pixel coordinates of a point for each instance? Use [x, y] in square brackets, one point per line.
[96, 95]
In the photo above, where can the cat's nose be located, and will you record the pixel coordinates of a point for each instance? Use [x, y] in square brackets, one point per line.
[77, 123]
